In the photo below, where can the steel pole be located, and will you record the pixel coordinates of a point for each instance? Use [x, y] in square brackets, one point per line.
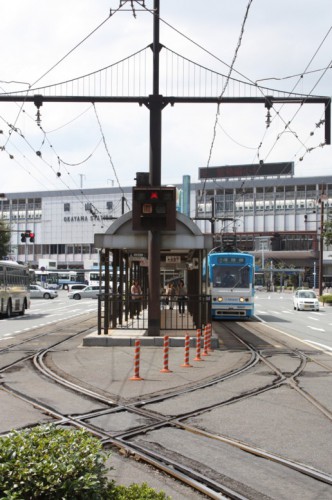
[155, 105]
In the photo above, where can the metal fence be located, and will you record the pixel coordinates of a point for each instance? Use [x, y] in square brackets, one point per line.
[122, 312]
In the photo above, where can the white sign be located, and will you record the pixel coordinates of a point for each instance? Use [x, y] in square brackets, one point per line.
[173, 259]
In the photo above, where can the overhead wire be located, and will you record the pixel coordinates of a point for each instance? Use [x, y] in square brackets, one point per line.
[109, 155]
[287, 125]
[63, 58]
[239, 42]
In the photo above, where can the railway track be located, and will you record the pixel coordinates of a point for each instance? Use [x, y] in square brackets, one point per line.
[170, 430]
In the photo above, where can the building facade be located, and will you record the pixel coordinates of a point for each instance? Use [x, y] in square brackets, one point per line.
[276, 218]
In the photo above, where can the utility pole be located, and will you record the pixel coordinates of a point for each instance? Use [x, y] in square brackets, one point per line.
[321, 243]
[155, 105]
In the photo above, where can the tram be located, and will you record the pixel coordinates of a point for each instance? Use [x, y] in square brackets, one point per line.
[231, 278]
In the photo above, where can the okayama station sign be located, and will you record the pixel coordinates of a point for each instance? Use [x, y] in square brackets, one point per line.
[83, 218]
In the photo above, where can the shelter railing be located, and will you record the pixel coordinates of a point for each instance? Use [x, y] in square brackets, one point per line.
[116, 311]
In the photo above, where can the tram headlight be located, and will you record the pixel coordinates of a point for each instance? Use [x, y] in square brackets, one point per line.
[220, 299]
[241, 299]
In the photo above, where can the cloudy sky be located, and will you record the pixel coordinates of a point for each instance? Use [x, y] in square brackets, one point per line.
[279, 44]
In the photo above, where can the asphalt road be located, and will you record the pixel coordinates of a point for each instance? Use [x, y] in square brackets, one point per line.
[276, 309]
[45, 312]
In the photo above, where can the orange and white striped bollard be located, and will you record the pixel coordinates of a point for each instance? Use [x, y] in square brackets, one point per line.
[186, 352]
[166, 349]
[206, 342]
[209, 325]
[198, 345]
[136, 361]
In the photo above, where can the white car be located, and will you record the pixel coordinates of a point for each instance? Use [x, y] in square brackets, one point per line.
[77, 286]
[38, 292]
[305, 300]
[90, 292]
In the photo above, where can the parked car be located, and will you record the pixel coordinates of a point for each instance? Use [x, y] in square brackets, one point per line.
[90, 292]
[38, 292]
[72, 288]
[305, 300]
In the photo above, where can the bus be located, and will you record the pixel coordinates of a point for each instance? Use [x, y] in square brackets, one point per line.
[14, 288]
[66, 278]
[93, 277]
[46, 279]
[231, 278]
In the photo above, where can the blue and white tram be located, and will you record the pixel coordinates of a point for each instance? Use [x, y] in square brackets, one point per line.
[231, 278]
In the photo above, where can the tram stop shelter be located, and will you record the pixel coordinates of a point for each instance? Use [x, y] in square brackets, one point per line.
[186, 246]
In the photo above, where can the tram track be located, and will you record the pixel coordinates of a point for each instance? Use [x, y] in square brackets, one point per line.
[130, 442]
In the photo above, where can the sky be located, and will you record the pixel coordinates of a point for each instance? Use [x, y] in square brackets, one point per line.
[278, 44]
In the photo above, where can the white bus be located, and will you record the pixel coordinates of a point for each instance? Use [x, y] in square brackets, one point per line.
[14, 288]
[46, 279]
[70, 277]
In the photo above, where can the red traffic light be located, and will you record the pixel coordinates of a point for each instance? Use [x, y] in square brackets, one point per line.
[154, 195]
[32, 237]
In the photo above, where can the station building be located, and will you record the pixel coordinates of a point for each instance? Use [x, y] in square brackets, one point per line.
[278, 218]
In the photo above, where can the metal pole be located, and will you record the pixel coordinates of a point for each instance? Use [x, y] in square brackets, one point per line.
[154, 237]
[321, 241]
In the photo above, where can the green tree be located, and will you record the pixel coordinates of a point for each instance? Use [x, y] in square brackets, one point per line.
[4, 239]
[327, 232]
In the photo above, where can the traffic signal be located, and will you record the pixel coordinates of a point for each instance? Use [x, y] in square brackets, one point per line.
[154, 208]
[27, 234]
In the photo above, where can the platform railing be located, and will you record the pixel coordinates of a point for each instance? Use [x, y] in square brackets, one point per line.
[116, 311]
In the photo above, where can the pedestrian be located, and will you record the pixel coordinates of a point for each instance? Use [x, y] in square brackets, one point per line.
[182, 297]
[136, 297]
[170, 292]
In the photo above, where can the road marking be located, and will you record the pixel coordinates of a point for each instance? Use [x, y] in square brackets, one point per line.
[315, 319]
[316, 329]
[319, 345]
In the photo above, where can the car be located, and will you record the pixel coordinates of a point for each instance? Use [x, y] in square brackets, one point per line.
[305, 300]
[88, 292]
[38, 292]
[77, 286]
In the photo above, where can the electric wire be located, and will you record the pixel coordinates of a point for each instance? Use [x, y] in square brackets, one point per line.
[109, 155]
[226, 83]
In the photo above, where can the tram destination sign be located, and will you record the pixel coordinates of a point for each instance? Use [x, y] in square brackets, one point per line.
[251, 170]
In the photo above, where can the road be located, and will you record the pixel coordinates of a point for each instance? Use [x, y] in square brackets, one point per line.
[45, 312]
[276, 310]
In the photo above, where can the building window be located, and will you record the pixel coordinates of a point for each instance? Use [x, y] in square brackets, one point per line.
[66, 207]
[109, 205]
[88, 207]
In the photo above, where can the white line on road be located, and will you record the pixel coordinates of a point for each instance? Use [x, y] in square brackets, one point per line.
[316, 329]
[319, 345]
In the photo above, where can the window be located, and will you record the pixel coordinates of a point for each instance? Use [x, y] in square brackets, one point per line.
[66, 207]
[88, 206]
[109, 205]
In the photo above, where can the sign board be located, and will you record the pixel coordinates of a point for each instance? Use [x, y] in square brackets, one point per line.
[173, 259]
[250, 170]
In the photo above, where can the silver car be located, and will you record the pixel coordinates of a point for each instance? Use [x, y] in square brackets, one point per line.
[38, 292]
[89, 292]
[305, 300]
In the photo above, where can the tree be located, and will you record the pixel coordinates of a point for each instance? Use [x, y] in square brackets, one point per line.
[4, 239]
[327, 232]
